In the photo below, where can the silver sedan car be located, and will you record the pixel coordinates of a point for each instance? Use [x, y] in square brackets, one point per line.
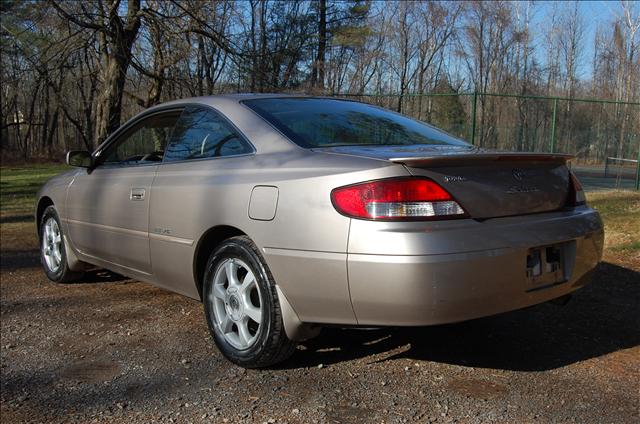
[286, 213]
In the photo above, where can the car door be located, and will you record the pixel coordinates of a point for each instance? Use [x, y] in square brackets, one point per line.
[108, 206]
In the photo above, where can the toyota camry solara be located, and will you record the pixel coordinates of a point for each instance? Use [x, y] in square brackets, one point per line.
[283, 214]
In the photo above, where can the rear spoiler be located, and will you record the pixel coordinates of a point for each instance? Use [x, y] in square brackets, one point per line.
[474, 158]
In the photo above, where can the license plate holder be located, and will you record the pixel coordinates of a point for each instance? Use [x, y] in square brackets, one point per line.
[545, 266]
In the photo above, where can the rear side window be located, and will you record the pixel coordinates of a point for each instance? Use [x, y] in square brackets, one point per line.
[202, 133]
[319, 122]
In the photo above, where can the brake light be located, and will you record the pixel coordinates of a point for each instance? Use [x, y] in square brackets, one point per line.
[396, 199]
[576, 193]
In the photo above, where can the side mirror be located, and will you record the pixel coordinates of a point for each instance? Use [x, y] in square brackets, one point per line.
[79, 158]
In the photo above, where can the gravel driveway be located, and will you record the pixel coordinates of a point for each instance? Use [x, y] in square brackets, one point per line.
[115, 350]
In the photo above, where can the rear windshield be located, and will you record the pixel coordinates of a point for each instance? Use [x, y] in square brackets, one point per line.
[315, 122]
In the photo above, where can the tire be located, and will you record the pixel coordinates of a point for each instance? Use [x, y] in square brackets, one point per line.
[231, 305]
[53, 255]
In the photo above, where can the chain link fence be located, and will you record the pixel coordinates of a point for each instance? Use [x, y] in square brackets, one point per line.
[604, 135]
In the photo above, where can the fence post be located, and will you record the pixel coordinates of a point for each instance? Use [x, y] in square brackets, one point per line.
[638, 170]
[552, 148]
[473, 119]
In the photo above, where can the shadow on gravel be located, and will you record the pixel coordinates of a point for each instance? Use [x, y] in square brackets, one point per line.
[14, 260]
[100, 276]
[67, 302]
[601, 318]
[16, 218]
[44, 393]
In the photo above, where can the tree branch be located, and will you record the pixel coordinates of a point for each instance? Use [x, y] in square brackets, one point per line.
[75, 19]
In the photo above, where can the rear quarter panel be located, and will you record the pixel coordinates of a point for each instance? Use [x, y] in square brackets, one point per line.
[305, 244]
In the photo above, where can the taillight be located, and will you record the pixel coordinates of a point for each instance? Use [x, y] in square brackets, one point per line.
[576, 193]
[396, 199]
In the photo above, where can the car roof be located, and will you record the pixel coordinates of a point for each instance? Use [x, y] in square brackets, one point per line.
[223, 98]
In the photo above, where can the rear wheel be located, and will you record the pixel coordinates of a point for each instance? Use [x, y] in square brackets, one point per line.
[53, 255]
[242, 308]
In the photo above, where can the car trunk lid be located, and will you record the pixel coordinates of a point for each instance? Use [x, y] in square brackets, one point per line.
[487, 184]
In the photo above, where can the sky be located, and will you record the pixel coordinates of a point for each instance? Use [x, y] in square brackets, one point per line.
[594, 13]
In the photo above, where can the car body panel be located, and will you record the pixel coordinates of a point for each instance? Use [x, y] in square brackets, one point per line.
[451, 271]
[315, 282]
[330, 268]
[486, 184]
[56, 189]
[503, 188]
[107, 214]
[218, 192]
[469, 235]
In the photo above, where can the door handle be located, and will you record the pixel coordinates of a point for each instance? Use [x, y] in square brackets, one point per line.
[137, 194]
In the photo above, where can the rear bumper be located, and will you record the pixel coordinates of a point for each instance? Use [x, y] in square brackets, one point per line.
[443, 272]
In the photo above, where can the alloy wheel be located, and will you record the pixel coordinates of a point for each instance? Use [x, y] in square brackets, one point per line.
[237, 303]
[52, 244]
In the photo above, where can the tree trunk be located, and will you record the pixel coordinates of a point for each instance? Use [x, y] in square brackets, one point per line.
[263, 46]
[109, 102]
[317, 73]
[117, 52]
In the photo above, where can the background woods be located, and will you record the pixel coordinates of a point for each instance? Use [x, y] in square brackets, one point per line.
[72, 71]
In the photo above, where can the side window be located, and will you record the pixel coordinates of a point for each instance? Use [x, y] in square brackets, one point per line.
[203, 133]
[145, 142]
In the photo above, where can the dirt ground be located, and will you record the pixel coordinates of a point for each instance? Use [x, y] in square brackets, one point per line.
[110, 349]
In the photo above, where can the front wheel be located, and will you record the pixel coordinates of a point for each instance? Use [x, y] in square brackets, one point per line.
[241, 306]
[52, 250]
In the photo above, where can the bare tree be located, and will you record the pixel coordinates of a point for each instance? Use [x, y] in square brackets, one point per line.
[71, 71]
[116, 36]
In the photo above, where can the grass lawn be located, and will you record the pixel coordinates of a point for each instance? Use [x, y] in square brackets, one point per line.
[18, 188]
[620, 211]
